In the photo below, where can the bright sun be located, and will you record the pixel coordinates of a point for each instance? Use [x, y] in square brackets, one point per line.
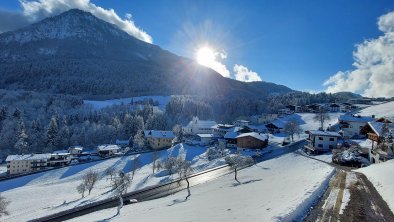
[205, 56]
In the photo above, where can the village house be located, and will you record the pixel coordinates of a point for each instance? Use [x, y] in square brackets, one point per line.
[381, 142]
[108, 150]
[158, 139]
[252, 140]
[294, 108]
[197, 126]
[17, 164]
[351, 125]
[334, 108]
[122, 143]
[205, 139]
[230, 139]
[219, 130]
[275, 126]
[75, 150]
[321, 141]
[240, 123]
[59, 158]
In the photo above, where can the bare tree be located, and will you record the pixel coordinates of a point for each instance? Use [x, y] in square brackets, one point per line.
[170, 164]
[122, 182]
[155, 156]
[292, 127]
[110, 171]
[3, 206]
[322, 117]
[89, 179]
[81, 188]
[212, 153]
[184, 170]
[139, 140]
[237, 161]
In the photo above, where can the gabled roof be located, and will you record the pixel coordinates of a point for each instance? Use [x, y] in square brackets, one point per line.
[324, 133]
[352, 118]
[258, 136]
[377, 127]
[222, 126]
[75, 148]
[28, 157]
[201, 123]
[159, 134]
[206, 135]
[108, 147]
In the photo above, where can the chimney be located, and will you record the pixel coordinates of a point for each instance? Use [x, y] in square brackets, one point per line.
[373, 116]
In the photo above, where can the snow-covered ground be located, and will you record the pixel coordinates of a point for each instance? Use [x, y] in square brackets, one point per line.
[54, 191]
[381, 177]
[97, 104]
[280, 189]
[306, 122]
[381, 110]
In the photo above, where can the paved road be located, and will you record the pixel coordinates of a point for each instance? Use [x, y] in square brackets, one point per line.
[159, 191]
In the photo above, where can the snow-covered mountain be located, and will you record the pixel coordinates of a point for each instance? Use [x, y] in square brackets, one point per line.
[77, 53]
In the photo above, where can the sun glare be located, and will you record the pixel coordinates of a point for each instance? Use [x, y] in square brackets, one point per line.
[205, 56]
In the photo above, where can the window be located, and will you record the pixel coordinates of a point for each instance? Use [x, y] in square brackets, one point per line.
[320, 138]
[331, 147]
[331, 139]
[320, 145]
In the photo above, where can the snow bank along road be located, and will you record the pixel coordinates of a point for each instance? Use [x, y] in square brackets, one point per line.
[350, 197]
[159, 190]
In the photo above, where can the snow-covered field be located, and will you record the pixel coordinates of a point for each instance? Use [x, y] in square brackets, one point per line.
[381, 110]
[97, 104]
[280, 189]
[53, 191]
[381, 177]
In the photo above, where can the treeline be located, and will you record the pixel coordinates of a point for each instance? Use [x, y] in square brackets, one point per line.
[33, 123]
[36, 122]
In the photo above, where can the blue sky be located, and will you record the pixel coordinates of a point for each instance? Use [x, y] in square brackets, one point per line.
[299, 44]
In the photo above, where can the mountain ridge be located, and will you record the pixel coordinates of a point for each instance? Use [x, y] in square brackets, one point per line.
[79, 54]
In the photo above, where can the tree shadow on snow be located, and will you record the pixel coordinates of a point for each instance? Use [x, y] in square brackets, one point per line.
[177, 201]
[246, 182]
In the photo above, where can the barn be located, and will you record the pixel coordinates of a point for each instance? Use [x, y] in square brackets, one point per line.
[252, 140]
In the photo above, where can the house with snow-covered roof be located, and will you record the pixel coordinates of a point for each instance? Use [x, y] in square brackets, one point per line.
[59, 158]
[381, 134]
[352, 125]
[108, 150]
[197, 126]
[322, 141]
[26, 163]
[252, 140]
[158, 139]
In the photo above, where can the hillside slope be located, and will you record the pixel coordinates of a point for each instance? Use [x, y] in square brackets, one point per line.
[77, 53]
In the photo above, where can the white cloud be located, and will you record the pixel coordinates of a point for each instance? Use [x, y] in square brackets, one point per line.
[38, 9]
[374, 65]
[243, 74]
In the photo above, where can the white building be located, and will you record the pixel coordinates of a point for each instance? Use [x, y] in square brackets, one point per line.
[197, 126]
[322, 141]
[17, 164]
[205, 139]
[108, 150]
[351, 125]
[75, 150]
[219, 130]
[60, 158]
